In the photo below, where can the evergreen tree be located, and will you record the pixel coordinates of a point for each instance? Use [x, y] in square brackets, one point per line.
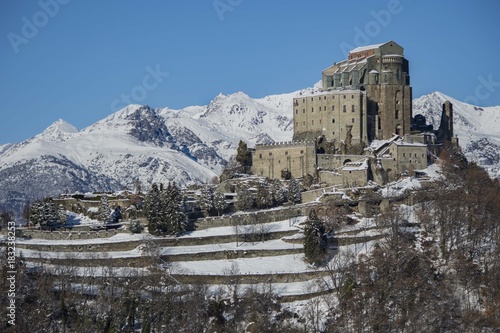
[103, 213]
[315, 243]
[46, 214]
[294, 195]
[220, 203]
[36, 213]
[264, 197]
[278, 192]
[206, 200]
[153, 208]
[245, 199]
[174, 210]
[243, 156]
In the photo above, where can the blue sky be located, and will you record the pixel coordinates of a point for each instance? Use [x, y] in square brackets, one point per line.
[79, 60]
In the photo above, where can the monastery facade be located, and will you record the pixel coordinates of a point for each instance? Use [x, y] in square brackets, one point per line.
[359, 127]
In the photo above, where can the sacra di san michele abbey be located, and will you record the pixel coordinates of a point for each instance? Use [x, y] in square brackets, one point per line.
[359, 127]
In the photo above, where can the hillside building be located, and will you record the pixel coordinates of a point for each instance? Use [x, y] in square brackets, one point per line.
[359, 127]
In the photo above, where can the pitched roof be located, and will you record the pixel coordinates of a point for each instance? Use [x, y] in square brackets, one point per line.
[366, 47]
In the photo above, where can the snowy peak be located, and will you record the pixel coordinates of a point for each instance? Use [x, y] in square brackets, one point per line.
[138, 121]
[58, 131]
[148, 126]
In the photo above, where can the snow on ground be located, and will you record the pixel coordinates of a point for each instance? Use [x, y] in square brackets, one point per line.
[284, 225]
[175, 250]
[433, 171]
[399, 187]
[292, 263]
[118, 238]
[102, 271]
[276, 244]
[76, 220]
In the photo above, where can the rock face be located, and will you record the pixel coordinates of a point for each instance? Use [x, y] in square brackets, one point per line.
[191, 145]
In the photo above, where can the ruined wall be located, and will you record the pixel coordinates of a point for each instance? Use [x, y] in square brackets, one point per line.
[335, 161]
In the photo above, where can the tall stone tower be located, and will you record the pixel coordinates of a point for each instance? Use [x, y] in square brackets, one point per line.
[382, 71]
[445, 131]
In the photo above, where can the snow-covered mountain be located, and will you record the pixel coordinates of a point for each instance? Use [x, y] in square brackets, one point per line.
[191, 145]
[477, 128]
[139, 143]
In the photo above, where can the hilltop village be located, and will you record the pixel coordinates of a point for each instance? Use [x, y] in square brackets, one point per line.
[369, 220]
[360, 127]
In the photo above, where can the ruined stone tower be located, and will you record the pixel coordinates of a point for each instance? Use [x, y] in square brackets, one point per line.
[445, 131]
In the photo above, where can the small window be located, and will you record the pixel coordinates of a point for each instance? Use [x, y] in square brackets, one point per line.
[324, 108]
[270, 154]
[352, 108]
[344, 96]
[333, 96]
[324, 97]
[286, 152]
[352, 120]
[333, 121]
[352, 96]
[312, 98]
[302, 152]
[303, 110]
[333, 107]
[320, 121]
[312, 122]
[297, 123]
[296, 111]
[344, 108]
[312, 109]
[260, 155]
[304, 123]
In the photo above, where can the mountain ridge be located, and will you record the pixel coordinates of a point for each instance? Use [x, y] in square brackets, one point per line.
[190, 145]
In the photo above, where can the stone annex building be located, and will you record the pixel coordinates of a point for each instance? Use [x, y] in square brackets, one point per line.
[359, 127]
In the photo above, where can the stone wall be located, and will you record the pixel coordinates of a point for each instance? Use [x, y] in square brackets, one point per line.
[66, 234]
[297, 157]
[273, 215]
[329, 113]
[312, 195]
[335, 161]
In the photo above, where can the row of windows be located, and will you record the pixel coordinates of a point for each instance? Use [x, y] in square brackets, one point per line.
[286, 153]
[353, 120]
[344, 109]
[324, 98]
[409, 155]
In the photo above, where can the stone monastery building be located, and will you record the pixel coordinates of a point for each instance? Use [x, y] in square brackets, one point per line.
[359, 127]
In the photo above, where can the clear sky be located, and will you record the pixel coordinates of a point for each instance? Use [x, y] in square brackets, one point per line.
[82, 60]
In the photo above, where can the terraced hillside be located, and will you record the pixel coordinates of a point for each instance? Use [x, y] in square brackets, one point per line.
[254, 253]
